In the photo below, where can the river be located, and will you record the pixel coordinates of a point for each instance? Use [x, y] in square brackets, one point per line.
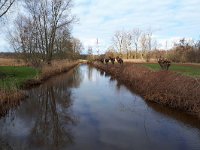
[85, 109]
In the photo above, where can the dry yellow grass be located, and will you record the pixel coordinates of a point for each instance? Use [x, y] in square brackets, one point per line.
[8, 96]
[11, 62]
[139, 60]
[56, 67]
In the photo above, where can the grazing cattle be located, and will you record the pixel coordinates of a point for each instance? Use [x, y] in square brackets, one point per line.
[119, 60]
[101, 60]
[164, 63]
[112, 60]
[107, 60]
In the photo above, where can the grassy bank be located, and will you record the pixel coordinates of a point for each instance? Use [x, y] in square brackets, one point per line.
[163, 87]
[14, 79]
[185, 69]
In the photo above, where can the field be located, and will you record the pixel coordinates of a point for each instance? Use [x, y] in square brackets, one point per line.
[11, 62]
[192, 70]
[11, 77]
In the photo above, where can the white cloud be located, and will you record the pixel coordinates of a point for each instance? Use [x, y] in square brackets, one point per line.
[169, 18]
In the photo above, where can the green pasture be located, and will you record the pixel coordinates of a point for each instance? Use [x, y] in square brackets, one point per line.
[186, 69]
[12, 77]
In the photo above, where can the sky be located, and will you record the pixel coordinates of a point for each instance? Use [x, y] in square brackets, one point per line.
[168, 19]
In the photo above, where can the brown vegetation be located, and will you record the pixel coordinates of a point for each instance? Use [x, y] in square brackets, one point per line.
[11, 62]
[9, 100]
[47, 71]
[163, 87]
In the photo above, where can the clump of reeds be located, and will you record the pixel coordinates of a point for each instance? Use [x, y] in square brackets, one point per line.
[55, 68]
[47, 71]
[9, 100]
[11, 62]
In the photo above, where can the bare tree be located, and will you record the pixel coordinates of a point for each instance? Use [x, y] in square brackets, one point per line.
[77, 47]
[149, 39]
[136, 34]
[5, 5]
[144, 45]
[90, 53]
[127, 42]
[118, 41]
[46, 18]
[149, 44]
[90, 50]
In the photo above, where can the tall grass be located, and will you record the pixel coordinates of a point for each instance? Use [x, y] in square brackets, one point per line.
[55, 68]
[11, 62]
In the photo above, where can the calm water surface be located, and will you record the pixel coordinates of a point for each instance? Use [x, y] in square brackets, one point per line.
[86, 109]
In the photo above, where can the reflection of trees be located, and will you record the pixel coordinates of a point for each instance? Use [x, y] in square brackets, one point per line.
[54, 117]
[90, 72]
[7, 106]
[53, 120]
[4, 145]
[48, 114]
[101, 72]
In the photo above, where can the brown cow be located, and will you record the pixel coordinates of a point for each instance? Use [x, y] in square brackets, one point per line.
[119, 60]
[164, 63]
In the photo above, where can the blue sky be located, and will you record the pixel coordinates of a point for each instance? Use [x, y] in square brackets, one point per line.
[168, 19]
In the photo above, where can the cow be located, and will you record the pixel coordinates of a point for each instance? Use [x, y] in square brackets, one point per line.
[119, 60]
[112, 60]
[164, 63]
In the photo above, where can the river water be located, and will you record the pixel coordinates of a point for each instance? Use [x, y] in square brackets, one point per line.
[85, 109]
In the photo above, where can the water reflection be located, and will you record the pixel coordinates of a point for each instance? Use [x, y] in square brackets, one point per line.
[90, 72]
[87, 109]
[6, 106]
[46, 117]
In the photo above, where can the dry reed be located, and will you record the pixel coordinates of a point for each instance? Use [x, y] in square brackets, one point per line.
[12, 62]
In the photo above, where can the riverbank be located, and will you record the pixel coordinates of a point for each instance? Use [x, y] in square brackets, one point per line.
[11, 96]
[164, 87]
[48, 71]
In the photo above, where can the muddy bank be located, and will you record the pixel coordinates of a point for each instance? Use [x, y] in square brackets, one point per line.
[163, 87]
[11, 99]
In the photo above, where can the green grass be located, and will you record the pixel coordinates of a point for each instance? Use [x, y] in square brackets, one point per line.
[15, 76]
[189, 70]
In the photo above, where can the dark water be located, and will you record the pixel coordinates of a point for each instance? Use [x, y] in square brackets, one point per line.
[85, 109]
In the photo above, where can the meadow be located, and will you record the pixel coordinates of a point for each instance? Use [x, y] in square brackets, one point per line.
[192, 70]
[12, 77]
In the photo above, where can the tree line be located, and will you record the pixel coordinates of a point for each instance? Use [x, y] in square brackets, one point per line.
[141, 44]
[133, 44]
